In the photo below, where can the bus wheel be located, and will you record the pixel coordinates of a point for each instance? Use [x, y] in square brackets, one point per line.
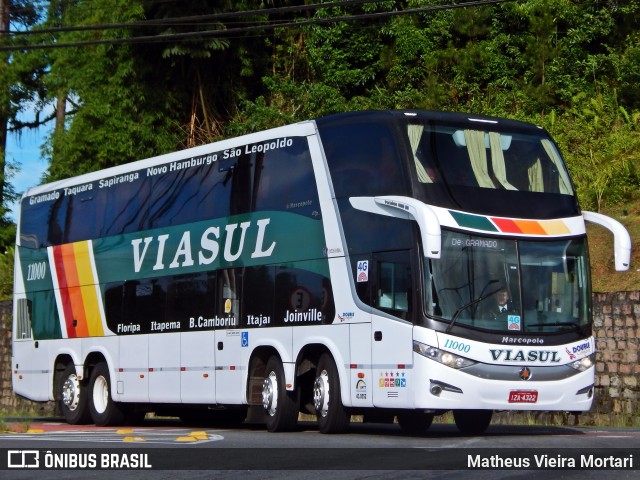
[472, 422]
[279, 405]
[73, 397]
[415, 421]
[332, 416]
[104, 411]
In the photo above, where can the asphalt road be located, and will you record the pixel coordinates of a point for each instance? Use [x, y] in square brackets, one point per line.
[371, 451]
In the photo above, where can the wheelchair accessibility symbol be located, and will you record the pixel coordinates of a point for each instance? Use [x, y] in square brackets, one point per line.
[245, 339]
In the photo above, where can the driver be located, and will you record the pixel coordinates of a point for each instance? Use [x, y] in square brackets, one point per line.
[503, 302]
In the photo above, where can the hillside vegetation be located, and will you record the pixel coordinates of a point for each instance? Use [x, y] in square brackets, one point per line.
[132, 79]
[604, 276]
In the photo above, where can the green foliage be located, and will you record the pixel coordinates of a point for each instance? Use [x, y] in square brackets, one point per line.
[6, 274]
[569, 66]
[119, 117]
[572, 67]
[601, 144]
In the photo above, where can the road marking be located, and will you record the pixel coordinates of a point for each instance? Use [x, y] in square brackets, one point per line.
[148, 436]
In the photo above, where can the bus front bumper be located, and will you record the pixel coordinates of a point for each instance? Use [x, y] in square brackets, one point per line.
[511, 388]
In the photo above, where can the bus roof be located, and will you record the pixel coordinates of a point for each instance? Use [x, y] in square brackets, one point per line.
[425, 115]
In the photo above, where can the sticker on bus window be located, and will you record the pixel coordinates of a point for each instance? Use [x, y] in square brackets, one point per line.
[227, 305]
[514, 322]
[363, 271]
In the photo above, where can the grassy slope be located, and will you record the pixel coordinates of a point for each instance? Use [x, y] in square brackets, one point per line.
[604, 276]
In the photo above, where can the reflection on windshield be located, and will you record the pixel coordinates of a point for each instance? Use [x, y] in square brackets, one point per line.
[509, 285]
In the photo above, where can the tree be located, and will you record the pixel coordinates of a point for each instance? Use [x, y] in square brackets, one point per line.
[14, 91]
[112, 115]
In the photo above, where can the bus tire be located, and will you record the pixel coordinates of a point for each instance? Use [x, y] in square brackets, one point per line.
[415, 422]
[104, 411]
[73, 395]
[331, 414]
[280, 406]
[472, 422]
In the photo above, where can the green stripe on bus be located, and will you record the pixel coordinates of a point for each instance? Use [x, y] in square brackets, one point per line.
[476, 222]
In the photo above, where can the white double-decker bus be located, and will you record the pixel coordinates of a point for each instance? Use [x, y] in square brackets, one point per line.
[389, 264]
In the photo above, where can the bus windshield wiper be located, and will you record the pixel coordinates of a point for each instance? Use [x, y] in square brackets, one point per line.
[470, 304]
[558, 324]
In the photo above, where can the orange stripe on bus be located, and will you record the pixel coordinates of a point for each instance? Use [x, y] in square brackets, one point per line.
[530, 227]
[73, 291]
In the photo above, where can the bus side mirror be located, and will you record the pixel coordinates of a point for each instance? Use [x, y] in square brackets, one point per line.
[409, 209]
[621, 238]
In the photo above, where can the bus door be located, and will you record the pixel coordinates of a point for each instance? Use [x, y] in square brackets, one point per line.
[133, 375]
[164, 367]
[197, 353]
[392, 329]
[229, 344]
[134, 303]
[191, 298]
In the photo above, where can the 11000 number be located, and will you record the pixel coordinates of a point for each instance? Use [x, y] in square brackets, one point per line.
[36, 271]
[459, 346]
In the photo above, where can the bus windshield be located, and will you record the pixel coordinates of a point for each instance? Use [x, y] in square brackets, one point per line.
[506, 285]
[473, 168]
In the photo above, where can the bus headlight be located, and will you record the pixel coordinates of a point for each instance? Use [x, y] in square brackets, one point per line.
[446, 358]
[583, 364]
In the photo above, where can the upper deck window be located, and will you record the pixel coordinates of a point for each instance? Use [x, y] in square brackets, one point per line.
[487, 159]
[364, 160]
[273, 175]
[491, 171]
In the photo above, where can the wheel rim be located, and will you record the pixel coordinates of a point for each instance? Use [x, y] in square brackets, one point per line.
[321, 393]
[100, 394]
[270, 394]
[71, 392]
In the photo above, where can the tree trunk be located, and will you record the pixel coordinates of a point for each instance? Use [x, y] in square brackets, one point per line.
[61, 110]
[5, 5]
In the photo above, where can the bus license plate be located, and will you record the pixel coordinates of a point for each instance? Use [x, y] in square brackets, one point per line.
[523, 396]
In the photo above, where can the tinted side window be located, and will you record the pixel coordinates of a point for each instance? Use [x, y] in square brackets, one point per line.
[229, 294]
[363, 160]
[144, 301]
[43, 224]
[85, 216]
[128, 204]
[303, 297]
[393, 283]
[258, 294]
[275, 174]
[175, 198]
[367, 232]
[284, 180]
[214, 190]
[113, 298]
[191, 297]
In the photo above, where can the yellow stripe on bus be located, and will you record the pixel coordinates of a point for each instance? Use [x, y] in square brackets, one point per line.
[88, 289]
